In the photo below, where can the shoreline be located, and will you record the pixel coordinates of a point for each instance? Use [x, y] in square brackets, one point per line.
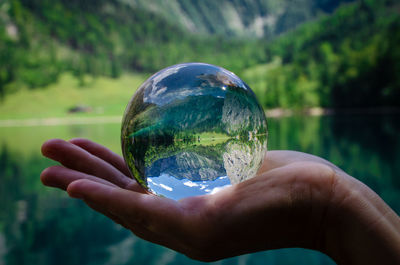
[271, 113]
[59, 121]
[318, 111]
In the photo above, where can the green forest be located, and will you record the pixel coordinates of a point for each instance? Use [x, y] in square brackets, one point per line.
[348, 57]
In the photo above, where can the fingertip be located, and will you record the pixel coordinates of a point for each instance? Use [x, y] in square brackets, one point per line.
[76, 188]
[86, 188]
[49, 145]
[53, 177]
[45, 176]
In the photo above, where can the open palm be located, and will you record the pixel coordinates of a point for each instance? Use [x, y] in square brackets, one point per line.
[288, 204]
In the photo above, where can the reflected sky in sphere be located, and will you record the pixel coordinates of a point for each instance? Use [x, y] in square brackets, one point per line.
[193, 129]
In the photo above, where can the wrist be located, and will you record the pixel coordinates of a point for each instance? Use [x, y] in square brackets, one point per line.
[360, 227]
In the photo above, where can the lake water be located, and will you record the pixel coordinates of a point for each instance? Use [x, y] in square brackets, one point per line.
[39, 225]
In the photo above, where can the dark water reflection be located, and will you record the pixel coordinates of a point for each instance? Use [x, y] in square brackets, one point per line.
[39, 225]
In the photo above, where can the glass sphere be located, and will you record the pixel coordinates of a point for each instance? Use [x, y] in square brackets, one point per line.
[193, 129]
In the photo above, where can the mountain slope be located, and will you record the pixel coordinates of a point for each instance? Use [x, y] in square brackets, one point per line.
[245, 18]
[40, 39]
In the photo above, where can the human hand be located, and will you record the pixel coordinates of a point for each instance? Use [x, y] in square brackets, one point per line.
[296, 200]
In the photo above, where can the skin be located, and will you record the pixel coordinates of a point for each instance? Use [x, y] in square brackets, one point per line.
[296, 200]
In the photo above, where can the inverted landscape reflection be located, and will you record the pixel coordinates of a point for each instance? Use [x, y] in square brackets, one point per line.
[196, 123]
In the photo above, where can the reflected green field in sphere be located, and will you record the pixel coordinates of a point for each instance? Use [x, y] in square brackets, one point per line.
[193, 129]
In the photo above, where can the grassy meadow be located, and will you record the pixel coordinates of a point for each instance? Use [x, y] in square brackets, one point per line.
[102, 96]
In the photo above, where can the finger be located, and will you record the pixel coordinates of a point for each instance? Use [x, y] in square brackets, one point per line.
[106, 213]
[143, 211]
[74, 157]
[103, 153]
[140, 231]
[60, 177]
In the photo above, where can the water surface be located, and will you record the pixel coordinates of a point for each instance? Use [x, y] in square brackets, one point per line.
[39, 225]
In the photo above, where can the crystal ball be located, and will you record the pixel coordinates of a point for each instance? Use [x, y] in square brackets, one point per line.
[193, 129]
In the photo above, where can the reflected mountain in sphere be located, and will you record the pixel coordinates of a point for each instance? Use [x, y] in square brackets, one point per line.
[193, 129]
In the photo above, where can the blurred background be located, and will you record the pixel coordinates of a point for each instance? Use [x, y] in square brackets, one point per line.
[327, 73]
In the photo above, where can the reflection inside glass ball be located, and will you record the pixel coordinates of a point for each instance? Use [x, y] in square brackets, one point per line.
[193, 129]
